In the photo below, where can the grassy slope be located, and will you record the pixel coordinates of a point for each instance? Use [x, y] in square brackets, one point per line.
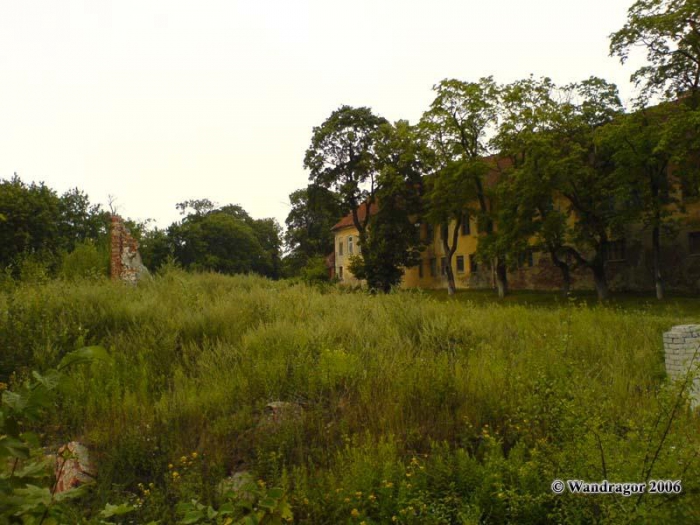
[418, 408]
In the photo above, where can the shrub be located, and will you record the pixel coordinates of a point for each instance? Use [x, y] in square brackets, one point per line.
[86, 260]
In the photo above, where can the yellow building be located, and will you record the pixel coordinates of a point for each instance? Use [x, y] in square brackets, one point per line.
[430, 273]
[346, 244]
[628, 258]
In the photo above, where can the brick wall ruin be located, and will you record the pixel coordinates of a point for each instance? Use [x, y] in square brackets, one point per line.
[682, 356]
[125, 262]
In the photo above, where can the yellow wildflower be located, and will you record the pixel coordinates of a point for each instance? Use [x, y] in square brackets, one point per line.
[354, 513]
[194, 455]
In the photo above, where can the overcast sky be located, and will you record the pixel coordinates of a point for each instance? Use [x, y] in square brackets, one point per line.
[156, 102]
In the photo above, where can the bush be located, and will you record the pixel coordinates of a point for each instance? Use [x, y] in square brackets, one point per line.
[315, 271]
[86, 260]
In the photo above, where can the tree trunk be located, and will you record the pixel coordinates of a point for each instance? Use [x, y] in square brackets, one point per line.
[565, 273]
[601, 282]
[451, 287]
[656, 255]
[501, 278]
[449, 252]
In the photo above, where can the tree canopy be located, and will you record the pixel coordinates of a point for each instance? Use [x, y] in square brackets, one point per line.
[669, 31]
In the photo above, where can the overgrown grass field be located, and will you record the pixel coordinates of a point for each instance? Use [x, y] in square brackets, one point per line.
[407, 408]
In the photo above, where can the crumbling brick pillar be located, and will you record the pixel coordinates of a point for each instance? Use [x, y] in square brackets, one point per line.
[682, 354]
[125, 262]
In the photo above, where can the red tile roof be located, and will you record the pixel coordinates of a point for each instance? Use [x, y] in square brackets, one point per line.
[346, 221]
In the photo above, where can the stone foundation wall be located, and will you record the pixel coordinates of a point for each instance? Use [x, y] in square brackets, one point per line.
[125, 262]
[682, 355]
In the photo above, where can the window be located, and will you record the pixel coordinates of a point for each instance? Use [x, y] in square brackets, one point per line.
[526, 259]
[420, 269]
[340, 272]
[460, 264]
[473, 265]
[433, 267]
[634, 200]
[350, 245]
[429, 232]
[466, 230]
[614, 251]
[690, 186]
[443, 265]
[340, 246]
[694, 243]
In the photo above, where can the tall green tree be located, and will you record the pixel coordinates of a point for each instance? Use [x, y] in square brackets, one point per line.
[526, 216]
[393, 236]
[31, 220]
[314, 211]
[642, 161]
[669, 32]
[584, 175]
[155, 248]
[81, 220]
[218, 242]
[342, 157]
[455, 128]
[225, 239]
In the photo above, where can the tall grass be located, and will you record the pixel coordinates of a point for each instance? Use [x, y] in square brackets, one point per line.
[433, 412]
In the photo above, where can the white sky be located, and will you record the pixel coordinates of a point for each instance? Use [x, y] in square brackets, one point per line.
[156, 102]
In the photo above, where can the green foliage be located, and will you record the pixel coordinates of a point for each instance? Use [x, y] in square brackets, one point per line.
[155, 248]
[86, 260]
[315, 271]
[31, 219]
[524, 192]
[315, 210]
[250, 504]
[27, 490]
[668, 30]
[342, 157]
[80, 221]
[225, 240]
[455, 130]
[392, 241]
[37, 225]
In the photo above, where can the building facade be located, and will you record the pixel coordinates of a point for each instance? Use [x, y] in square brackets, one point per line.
[628, 259]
